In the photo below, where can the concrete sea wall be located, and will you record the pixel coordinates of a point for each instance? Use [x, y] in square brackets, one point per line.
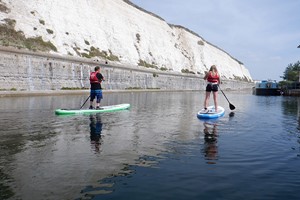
[31, 71]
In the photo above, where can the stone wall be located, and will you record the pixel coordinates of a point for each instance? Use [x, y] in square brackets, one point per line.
[30, 71]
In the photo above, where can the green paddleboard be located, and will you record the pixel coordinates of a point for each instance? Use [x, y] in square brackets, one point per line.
[90, 111]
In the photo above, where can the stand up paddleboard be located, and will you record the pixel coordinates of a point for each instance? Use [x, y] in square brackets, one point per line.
[210, 113]
[90, 111]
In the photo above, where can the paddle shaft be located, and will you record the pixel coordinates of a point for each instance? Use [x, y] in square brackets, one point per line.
[224, 95]
[85, 102]
[232, 107]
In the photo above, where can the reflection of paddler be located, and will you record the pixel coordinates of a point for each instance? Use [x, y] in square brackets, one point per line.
[95, 131]
[210, 145]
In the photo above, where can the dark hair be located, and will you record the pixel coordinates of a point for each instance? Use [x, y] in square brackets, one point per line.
[97, 68]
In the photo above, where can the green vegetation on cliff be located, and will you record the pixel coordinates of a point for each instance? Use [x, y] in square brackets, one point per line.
[10, 37]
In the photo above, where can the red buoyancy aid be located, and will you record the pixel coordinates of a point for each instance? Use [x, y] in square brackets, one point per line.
[93, 77]
[213, 79]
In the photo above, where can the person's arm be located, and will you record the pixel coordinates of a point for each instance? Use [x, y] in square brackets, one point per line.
[100, 77]
[206, 75]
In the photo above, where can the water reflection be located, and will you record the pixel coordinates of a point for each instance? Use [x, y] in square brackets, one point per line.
[43, 156]
[6, 192]
[95, 132]
[210, 141]
[231, 114]
[291, 107]
[298, 112]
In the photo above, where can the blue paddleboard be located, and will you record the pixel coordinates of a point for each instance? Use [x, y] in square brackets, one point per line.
[210, 113]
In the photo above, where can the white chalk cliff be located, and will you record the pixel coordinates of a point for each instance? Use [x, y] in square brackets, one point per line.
[119, 31]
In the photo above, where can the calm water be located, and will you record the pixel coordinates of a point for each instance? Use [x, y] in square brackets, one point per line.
[156, 150]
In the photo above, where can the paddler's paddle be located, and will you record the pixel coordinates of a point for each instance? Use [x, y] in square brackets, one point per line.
[84, 102]
[232, 107]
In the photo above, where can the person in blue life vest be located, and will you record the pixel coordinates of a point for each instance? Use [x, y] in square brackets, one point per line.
[213, 79]
[96, 90]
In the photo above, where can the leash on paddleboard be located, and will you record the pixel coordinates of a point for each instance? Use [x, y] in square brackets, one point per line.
[84, 102]
[232, 107]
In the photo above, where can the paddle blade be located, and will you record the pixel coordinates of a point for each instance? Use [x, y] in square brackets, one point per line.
[232, 107]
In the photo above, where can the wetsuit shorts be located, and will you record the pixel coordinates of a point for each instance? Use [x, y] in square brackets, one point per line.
[96, 94]
[211, 87]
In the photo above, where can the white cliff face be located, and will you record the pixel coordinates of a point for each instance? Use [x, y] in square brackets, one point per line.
[119, 29]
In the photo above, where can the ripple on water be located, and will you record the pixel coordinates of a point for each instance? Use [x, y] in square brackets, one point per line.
[158, 149]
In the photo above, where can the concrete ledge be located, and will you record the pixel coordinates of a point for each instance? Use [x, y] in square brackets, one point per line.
[45, 74]
[41, 93]
[75, 92]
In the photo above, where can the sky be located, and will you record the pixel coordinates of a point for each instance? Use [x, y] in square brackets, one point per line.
[262, 34]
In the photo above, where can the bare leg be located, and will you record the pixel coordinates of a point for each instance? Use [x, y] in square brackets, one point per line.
[215, 94]
[207, 95]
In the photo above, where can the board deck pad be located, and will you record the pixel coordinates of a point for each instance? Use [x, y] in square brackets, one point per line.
[102, 109]
[210, 113]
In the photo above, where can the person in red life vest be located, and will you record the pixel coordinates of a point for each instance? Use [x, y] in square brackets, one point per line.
[96, 90]
[213, 79]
